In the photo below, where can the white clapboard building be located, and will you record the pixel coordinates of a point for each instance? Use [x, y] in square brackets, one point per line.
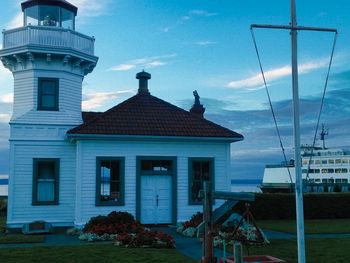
[144, 156]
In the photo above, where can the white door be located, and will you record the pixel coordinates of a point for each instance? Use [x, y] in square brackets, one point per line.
[156, 192]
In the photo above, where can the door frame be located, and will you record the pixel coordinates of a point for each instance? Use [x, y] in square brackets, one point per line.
[173, 175]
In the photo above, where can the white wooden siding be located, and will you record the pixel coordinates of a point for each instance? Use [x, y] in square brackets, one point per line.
[26, 92]
[89, 150]
[21, 209]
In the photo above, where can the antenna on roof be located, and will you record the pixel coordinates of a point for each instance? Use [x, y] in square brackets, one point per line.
[323, 134]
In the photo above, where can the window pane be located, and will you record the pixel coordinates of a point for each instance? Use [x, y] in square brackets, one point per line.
[110, 180]
[200, 173]
[48, 101]
[48, 87]
[49, 15]
[31, 14]
[46, 191]
[67, 18]
[46, 170]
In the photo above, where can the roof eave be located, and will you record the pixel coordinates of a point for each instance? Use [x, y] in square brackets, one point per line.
[72, 136]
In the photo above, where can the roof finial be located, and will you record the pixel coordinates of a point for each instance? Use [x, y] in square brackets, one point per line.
[143, 78]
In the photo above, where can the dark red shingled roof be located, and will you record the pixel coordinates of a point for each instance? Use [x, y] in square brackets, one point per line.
[144, 114]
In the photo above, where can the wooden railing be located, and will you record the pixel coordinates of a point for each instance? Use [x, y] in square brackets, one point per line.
[48, 36]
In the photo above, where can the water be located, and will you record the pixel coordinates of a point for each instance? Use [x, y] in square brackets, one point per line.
[246, 185]
[3, 185]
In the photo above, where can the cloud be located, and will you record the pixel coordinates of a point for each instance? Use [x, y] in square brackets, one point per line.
[91, 8]
[202, 13]
[204, 43]
[98, 99]
[6, 98]
[256, 81]
[146, 63]
[17, 21]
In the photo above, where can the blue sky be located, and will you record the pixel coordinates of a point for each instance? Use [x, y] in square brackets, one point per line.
[206, 46]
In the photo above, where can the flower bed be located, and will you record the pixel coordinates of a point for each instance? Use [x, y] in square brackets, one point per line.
[189, 228]
[122, 228]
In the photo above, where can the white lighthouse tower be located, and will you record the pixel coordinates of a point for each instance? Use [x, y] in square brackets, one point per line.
[49, 60]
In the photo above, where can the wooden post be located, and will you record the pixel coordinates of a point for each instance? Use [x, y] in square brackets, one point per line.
[237, 252]
[208, 247]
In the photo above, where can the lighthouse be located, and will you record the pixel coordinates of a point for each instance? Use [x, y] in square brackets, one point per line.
[49, 60]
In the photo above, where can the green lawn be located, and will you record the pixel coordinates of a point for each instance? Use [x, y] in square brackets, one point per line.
[16, 238]
[317, 250]
[317, 226]
[91, 253]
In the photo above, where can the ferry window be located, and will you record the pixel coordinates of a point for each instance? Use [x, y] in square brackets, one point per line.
[331, 180]
[338, 170]
[311, 180]
[324, 161]
[317, 180]
[324, 180]
[337, 160]
[305, 162]
[317, 161]
[304, 171]
[330, 161]
[344, 170]
[324, 171]
[345, 161]
[338, 180]
[317, 171]
[330, 171]
[344, 180]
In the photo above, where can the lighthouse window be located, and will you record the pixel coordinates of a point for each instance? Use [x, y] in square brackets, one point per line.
[48, 94]
[31, 16]
[49, 16]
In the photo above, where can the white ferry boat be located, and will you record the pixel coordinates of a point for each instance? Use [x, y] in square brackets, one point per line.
[323, 170]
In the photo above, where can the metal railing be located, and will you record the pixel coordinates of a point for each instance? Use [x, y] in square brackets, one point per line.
[48, 36]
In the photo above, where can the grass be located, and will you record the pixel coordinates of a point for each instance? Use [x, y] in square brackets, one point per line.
[17, 238]
[316, 226]
[91, 253]
[317, 250]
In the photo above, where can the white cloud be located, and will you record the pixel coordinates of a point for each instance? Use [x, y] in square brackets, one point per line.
[6, 98]
[256, 81]
[202, 13]
[5, 117]
[147, 62]
[97, 99]
[91, 8]
[204, 43]
[17, 21]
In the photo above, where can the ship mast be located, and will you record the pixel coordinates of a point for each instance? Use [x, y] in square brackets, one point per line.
[323, 134]
[294, 28]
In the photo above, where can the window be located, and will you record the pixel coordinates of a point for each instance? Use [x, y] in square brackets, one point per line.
[110, 181]
[45, 181]
[48, 94]
[200, 170]
[324, 161]
[331, 161]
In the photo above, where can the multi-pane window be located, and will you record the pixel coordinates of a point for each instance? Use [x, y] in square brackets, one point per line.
[109, 183]
[48, 94]
[200, 170]
[45, 181]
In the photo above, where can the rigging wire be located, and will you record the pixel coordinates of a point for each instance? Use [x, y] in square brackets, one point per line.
[271, 107]
[322, 103]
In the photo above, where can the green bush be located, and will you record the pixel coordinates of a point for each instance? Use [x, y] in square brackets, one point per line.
[316, 206]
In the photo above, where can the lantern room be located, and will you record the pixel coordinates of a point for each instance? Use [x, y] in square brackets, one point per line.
[54, 13]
